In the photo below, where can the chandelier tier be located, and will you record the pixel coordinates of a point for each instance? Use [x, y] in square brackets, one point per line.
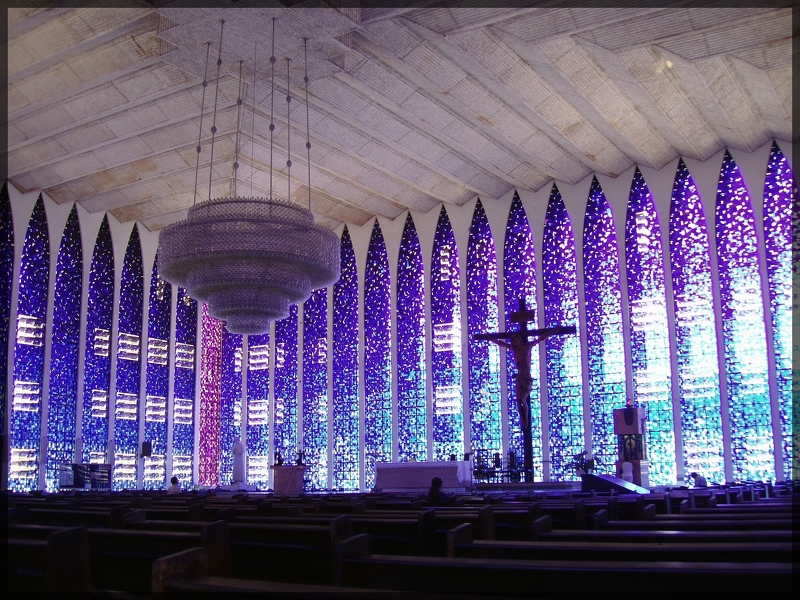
[249, 259]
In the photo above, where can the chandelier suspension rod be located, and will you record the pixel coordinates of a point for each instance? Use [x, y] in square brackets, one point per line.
[200, 133]
[272, 107]
[238, 121]
[308, 127]
[216, 97]
[288, 133]
[253, 132]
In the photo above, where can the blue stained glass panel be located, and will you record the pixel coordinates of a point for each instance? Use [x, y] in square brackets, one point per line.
[258, 363]
[744, 336]
[285, 410]
[519, 282]
[377, 357]
[486, 425]
[411, 369]
[157, 380]
[97, 361]
[25, 419]
[601, 281]
[183, 402]
[129, 360]
[315, 390]
[62, 407]
[779, 193]
[562, 352]
[446, 363]
[695, 331]
[346, 464]
[230, 402]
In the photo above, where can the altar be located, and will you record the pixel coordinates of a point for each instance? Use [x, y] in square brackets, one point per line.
[288, 479]
[416, 476]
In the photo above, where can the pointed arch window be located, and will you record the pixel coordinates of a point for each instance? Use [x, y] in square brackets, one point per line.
[519, 282]
[695, 331]
[647, 305]
[183, 401]
[411, 367]
[346, 463]
[129, 364]
[486, 425]
[744, 336]
[601, 285]
[97, 362]
[448, 394]
[562, 353]
[157, 380]
[314, 444]
[285, 409]
[62, 407]
[779, 194]
[25, 418]
[257, 428]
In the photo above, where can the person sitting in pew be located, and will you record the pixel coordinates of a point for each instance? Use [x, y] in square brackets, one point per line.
[174, 488]
[699, 480]
[436, 497]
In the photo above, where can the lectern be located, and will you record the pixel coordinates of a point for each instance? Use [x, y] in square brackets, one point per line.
[629, 429]
[288, 479]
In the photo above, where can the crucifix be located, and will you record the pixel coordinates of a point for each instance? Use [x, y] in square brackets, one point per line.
[520, 343]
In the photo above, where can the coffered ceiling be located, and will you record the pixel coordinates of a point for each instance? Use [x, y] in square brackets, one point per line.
[408, 107]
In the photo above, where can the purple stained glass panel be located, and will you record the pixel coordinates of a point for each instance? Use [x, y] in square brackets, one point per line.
[210, 378]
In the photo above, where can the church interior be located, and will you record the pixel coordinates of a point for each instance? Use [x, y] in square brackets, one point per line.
[298, 351]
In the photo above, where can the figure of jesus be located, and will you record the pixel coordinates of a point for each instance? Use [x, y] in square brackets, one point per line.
[521, 348]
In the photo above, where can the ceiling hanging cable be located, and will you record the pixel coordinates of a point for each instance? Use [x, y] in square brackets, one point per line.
[216, 98]
[271, 108]
[238, 121]
[288, 133]
[253, 133]
[308, 127]
[200, 133]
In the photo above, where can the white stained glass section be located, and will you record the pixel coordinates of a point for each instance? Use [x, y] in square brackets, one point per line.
[102, 342]
[155, 468]
[30, 330]
[258, 358]
[257, 468]
[125, 406]
[182, 411]
[184, 356]
[23, 462]
[157, 351]
[99, 404]
[124, 466]
[258, 412]
[447, 337]
[155, 409]
[128, 347]
[27, 396]
[182, 466]
[448, 400]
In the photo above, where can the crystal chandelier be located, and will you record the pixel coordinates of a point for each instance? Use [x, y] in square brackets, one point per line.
[249, 258]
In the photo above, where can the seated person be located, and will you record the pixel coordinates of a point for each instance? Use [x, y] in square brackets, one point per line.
[174, 488]
[699, 480]
[436, 497]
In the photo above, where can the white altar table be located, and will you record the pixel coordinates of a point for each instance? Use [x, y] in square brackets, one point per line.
[416, 476]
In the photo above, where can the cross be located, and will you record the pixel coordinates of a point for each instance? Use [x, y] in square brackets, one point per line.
[521, 344]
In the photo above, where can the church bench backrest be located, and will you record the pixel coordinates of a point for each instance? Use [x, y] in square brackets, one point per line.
[57, 563]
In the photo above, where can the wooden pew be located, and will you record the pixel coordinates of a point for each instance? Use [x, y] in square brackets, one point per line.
[112, 517]
[189, 512]
[356, 566]
[58, 563]
[461, 544]
[413, 535]
[701, 525]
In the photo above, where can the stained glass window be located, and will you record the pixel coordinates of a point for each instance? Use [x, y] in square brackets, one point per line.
[285, 409]
[25, 419]
[6, 283]
[257, 438]
[97, 361]
[183, 400]
[519, 282]
[448, 395]
[486, 425]
[230, 402]
[647, 305]
[606, 360]
[129, 360]
[315, 390]
[749, 410]
[411, 369]
[562, 352]
[62, 407]
[695, 331]
[210, 377]
[157, 383]
[345, 371]
[778, 194]
[377, 357]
